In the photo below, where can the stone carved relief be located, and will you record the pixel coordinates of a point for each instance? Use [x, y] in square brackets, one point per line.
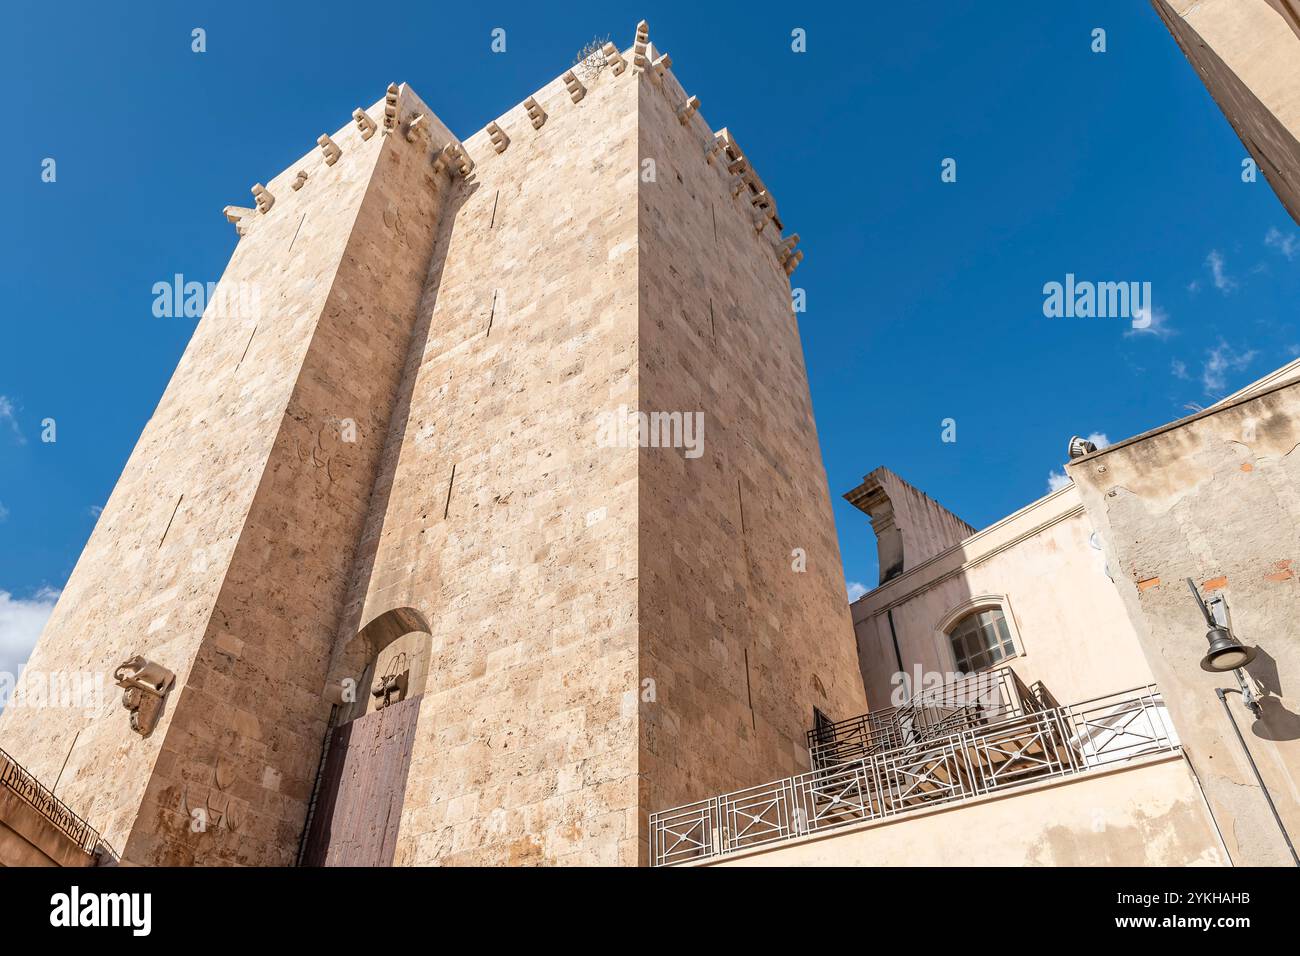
[328, 447]
[391, 686]
[146, 685]
[214, 808]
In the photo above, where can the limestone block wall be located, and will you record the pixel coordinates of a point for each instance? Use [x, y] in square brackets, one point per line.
[222, 551]
[611, 628]
[524, 562]
[740, 645]
[1216, 497]
[1246, 53]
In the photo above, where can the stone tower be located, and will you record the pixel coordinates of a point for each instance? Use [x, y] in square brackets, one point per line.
[499, 523]
[1246, 53]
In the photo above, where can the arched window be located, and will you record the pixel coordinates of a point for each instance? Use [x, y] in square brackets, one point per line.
[981, 640]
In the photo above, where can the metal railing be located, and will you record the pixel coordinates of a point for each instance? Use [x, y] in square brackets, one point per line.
[22, 783]
[928, 715]
[1007, 750]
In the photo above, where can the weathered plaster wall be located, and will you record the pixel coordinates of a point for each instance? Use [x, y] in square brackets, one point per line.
[1039, 565]
[1246, 53]
[1216, 497]
[1148, 813]
[740, 644]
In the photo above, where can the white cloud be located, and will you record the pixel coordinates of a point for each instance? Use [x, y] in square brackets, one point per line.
[1150, 321]
[1288, 245]
[856, 591]
[7, 414]
[21, 620]
[1221, 360]
[1099, 439]
[1222, 281]
[4, 512]
[1179, 369]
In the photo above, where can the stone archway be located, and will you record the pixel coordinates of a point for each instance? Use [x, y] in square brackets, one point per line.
[362, 782]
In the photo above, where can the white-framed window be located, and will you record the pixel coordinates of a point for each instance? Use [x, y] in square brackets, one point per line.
[981, 639]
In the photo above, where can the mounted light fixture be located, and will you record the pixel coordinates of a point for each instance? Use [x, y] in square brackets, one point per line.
[1079, 447]
[1226, 653]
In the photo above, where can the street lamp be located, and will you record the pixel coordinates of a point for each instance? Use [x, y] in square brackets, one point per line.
[1226, 653]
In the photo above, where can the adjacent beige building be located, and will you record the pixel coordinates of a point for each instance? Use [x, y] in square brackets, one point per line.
[1216, 498]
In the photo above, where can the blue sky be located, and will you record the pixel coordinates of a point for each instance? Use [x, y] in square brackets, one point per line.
[924, 298]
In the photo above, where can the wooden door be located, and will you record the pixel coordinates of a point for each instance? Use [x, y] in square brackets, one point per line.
[362, 787]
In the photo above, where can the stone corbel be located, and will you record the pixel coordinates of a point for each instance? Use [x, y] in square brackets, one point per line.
[614, 59]
[235, 215]
[264, 199]
[145, 687]
[535, 113]
[365, 124]
[418, 127]
[716, 145]
[499, 138]
[688, 110]
[329, 148]
[660, 66]
[765, 206]
[793, 261]
[640, 46]
[786, 249]
[299, 181]
[453, 157]
[576, 90]
[390, 108]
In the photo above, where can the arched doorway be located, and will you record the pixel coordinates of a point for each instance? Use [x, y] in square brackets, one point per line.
[361, 786]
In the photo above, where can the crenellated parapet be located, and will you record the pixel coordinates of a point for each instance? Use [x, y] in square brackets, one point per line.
[401, 109]
[722, 151]
[449, 155]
